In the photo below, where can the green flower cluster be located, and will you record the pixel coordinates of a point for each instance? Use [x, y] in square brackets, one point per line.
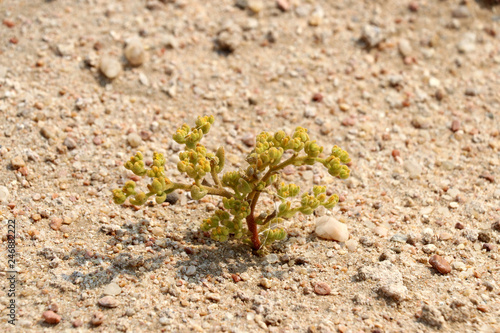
[333, 163]
[241, 190]
[160, 185]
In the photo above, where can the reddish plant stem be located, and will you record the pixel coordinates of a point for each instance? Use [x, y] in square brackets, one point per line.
[252, 226]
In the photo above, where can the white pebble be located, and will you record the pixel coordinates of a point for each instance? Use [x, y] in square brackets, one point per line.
[110, 67]
[134, 52]
[4, 194]
[112, 289]
[134, 140]
[330, 228]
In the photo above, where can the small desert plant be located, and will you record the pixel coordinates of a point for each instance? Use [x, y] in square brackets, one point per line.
[240, 190]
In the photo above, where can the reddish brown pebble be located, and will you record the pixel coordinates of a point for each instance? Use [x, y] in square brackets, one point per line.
[55, 222]
[483, 308]
[14, 40]
[51, 317]
[236, 278]
[455, 125]
[459, 226]
[489, 177]
[349, 121]
[77, 323]
[135, 178]
[97, 318]
[439, 95]
[8, 23]
[396, 153]
[317, 97]
[23, 170]
[97, 46]
[489, 247]
[322, 288]
[413, 6]
[440, 264]
[284, 5]
[108, 302]
[496, 225]
[97, 140]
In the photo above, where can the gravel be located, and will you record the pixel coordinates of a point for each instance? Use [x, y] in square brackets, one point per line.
[410, 93]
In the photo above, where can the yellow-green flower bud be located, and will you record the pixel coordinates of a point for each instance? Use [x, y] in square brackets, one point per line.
[344, 172]
[331, 202]
[279, 136]
[197, 193]
[312, 149]
[156, 186]
[139, 199]
[317, 190]
[161, 198]
[138, 168]
[181, 133]
[129, 188]
[221, 159]
[118, 196]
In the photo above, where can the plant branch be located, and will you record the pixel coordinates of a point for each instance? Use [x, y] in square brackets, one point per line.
[211, 190]
[216, 179]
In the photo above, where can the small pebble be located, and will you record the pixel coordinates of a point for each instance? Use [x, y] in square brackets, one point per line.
[328, 227]
[283, 5]
[55, 222]
[157, 231]
[108, 302]
[213, 297]
[266, 283]
[17, 162]
[248, 139]
[191, 270]
[272, 258]
[468, 43]
[372, 35]
[70, 143]
[50, 317]
[399, 238]
[381, 231]
[112, 289]
[48, 132]
[97, 318]
[255, 6]
[134, 140]
[429, 248]
[322, 288]
[228, 41]
[172, 198]
[317, 97]
[490, 247]
[4, 194]
[310, 112]
[404, 47]
[459, 265]
[110, 67]
[134, 52]
[460, 12]
[455, 125]
[77, 323]
[440, 264]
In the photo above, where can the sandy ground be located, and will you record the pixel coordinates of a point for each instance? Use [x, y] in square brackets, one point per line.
[411, 89]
